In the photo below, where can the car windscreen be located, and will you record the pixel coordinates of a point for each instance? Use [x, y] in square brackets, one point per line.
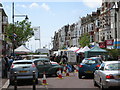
[114, 66]
[89, 61]
[22, 63]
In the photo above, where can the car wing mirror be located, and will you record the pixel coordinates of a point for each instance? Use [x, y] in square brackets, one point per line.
[96, 68]
[102, 68]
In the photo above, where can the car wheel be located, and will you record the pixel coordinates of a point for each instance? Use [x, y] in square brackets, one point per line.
[95, 84]
[102, 87]
[57, 73]
[79, 76]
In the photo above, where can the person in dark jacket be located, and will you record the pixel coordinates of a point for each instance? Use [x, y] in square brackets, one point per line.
[65, 59]
[10, 61]
[6, 65]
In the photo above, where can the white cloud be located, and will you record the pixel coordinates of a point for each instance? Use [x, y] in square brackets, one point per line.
[45, 6]
[23, 6]
[33, 5]
[92, 3]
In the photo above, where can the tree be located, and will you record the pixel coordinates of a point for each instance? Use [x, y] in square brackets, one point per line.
[21, 33]
[114, 53]
[84, 40]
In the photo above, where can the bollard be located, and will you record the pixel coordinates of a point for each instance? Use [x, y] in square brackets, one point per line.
[15, 80]
[34, 81]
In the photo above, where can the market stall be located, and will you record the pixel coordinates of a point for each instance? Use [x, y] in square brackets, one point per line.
[96, 51]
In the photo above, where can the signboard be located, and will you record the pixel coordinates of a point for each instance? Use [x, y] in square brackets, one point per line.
[109, 42]
[36, 33]
[102, 45]
[71, 56]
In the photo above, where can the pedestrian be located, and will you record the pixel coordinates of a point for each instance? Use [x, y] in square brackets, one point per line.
[50, 57]
[6, 66]
[65, 59]
[3, 66]
[69, 67]
[25, 58]
[53, 57]
[58, 59]
[10, 61]
[20, 57]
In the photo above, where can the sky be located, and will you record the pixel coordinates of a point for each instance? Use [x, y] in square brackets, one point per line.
[49, 15]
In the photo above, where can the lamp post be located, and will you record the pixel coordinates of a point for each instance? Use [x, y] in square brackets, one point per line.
[115, 17]
[13, 16]
[13, 26]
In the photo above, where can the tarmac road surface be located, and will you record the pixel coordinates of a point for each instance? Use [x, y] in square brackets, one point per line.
[71, 82]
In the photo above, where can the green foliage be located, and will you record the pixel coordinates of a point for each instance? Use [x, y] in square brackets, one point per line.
[23, 31]
[114, 53]
[84, 40]
[63, 47]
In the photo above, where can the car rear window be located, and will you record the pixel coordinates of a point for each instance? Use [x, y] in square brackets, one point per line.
[115, 66]
[46, 62]
[89, 61]
[23, 63]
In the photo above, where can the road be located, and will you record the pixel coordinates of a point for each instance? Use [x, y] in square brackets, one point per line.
[54, 83]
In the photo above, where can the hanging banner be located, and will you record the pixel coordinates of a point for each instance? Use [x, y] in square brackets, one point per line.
[36, 33]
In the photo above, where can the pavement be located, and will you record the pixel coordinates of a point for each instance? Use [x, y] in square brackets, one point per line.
[4, 83]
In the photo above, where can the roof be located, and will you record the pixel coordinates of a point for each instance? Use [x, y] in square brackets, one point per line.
[96, 49]
[41, 59]
[92, 58]
[2, 10]
[22, 61]
[109, 62]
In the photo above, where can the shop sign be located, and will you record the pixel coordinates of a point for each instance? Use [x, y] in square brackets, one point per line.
[102, 45]
[109, 42]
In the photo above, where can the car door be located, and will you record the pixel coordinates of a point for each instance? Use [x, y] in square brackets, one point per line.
[47, 66]
[40, 66]
[100, 72]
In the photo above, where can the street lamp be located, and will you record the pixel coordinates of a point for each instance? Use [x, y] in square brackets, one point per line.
[13, 16]
[26, 17]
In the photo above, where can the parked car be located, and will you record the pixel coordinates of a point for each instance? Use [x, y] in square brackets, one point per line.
[88, 66]
[108, 75]
[54, 63]
[24, 70]
[47, 66]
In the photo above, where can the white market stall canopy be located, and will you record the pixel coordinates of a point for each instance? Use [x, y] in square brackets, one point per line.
[73, 48]
[86, 48]
[79, 50]
[22, 49]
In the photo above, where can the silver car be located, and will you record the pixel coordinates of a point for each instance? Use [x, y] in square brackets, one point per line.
[24, 70]
[108, 75]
